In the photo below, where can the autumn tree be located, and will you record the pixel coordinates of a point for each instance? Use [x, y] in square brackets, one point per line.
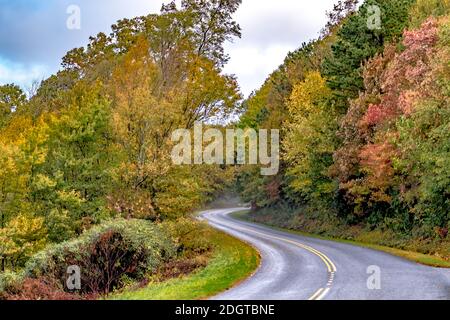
[357, 43]
[213, 25]
[146, 112]
[367, 164]
[12, 98]
[422, 138]
[341, 10]
[22, 237]
[51, 93]
[22, 232]
[310, 141]
[72, 184]
[268, 107]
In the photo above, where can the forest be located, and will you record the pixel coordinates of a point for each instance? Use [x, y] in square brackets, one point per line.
[364, 118]
[86, 176]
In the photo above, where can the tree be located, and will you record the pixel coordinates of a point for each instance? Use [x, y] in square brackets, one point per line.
[357, 43]
[423, 134]
[14, 177]
[341, 10]
[374, 179]
[142, 121]
[310, 141]
[12, 182]
[354, 133]
[12, 99]
[70, 187]
[268, 108]
[20, 239]
[213, 25]
[50, 96]
[145, 112]
[198, 26]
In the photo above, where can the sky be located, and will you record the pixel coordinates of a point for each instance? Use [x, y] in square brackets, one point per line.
[34, 34]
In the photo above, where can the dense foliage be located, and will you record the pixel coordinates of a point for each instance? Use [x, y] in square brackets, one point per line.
[108, 255]
[363, 113]
[364, 119]
[93, 142]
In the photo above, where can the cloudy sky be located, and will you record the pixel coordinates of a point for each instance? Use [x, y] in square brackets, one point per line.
[34, 34]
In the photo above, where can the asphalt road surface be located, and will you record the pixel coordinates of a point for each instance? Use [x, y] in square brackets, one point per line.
[294, 267]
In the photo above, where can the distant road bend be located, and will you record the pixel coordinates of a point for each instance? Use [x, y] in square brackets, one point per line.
[294, 267]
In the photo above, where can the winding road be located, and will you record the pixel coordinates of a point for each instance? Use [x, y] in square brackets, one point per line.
[294, 267]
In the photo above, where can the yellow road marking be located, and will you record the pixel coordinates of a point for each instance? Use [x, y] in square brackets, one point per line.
[329, 264]
[321, 293]
[315, 295]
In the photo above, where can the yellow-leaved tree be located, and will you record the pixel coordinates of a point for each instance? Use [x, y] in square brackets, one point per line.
[310, 139]
[146, 109]
[21, 233]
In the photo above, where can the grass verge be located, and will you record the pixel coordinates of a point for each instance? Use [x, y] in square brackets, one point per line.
[232, 262]
[421, 258]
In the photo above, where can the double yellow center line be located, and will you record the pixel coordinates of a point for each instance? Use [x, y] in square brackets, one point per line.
[322, 292]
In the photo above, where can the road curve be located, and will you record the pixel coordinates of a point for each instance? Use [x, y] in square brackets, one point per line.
[294, 267]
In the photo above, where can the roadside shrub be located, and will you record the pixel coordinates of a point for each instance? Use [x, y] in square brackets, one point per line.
[189, 236]
[8, 280]
[38, 289]
[106, 255]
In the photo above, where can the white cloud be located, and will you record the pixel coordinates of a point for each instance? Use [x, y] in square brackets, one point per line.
[21, 74]
[36, 39]
[252, 65]
[270, 30]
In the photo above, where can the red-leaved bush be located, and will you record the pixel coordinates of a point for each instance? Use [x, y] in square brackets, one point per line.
[106, 255]
[40, 289]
